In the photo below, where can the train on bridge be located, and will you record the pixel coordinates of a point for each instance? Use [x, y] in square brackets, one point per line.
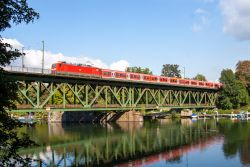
[87, 70]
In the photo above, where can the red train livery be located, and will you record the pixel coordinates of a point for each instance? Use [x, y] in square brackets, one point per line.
[73, 69]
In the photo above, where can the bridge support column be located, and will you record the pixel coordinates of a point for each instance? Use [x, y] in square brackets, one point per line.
[90, 116]
[130, 116]
[72, 116]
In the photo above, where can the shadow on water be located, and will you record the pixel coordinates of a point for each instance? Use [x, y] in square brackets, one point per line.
[133, 143]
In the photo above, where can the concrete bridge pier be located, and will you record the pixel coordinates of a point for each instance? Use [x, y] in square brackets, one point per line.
[90, 116]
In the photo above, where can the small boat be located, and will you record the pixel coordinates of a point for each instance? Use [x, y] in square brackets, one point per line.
[242, 115]
[194, 116]
[28, 121]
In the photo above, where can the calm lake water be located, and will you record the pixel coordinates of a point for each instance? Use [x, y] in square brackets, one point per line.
[177, 143]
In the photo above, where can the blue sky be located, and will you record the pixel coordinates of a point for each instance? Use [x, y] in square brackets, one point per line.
[201, 35]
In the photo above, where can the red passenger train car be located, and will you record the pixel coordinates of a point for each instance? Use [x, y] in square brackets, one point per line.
[86, 70]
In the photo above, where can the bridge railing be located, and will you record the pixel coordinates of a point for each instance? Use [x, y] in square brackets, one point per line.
[27, 69]
[46, 71]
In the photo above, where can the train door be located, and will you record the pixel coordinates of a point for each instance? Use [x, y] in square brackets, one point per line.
[178, 81]
[141, 77]
[113, 74]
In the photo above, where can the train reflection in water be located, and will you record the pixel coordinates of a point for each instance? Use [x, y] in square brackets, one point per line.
[123, 144]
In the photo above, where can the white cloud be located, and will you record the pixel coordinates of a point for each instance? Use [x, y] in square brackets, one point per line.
[196, 27]
[119, 65]
[237, 18]
[200, 11]
[33, 58]
[202, 20]
[15, 44]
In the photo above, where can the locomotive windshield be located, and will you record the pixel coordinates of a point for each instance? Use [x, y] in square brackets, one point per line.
[53, 66]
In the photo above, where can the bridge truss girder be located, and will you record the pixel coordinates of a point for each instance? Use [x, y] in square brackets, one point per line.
[38, 95]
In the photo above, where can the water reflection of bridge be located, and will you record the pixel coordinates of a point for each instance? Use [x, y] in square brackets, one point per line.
[118, 143]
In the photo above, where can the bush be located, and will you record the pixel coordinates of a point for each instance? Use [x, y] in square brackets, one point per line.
[220, 111]
[174, 114]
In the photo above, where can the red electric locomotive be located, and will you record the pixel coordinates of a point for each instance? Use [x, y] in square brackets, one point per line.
[63, 67]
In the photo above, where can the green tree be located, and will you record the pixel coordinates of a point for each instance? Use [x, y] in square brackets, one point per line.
[233, 94]
[200, 77]
[139, 70]
[11, 11]
[171, 70]
[243, 73]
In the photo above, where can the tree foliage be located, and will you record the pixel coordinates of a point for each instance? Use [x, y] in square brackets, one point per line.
[171, 70]
[139, 70]
[11, 11]
[16, 11]
[233, 94]
[243, 73]
[200, 77]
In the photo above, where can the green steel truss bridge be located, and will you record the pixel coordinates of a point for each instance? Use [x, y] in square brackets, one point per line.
[40, 90]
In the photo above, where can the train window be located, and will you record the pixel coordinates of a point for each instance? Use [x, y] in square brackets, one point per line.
[121, 75]
[104, 73]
